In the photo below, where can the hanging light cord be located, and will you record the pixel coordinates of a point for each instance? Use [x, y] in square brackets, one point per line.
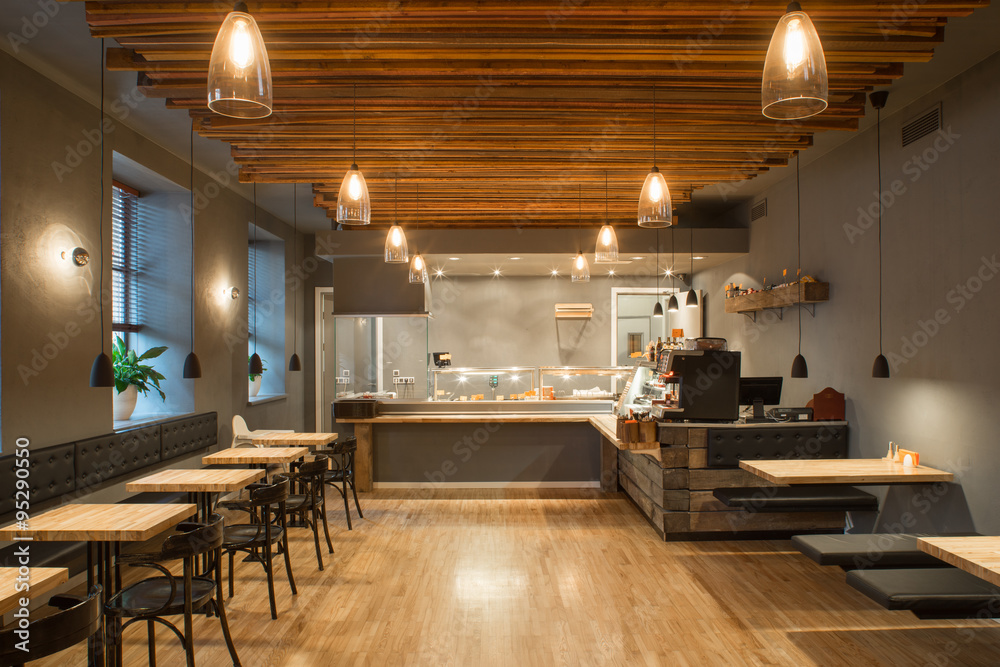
[654, 124]
[101, 219]
[354, 124]
[691, 248]
[191, 155]
[798, 216]
[395, 199]
[295, 258]
[673, 275]
[605, 197]
[657, 265]
[878, 151]
[255, 268]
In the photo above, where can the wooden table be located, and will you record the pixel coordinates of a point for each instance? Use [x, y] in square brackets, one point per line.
[41, 581]
[201, 484]
[978, 555]
[843, 471]
[104, 528]
[294, 439]
[256, 455]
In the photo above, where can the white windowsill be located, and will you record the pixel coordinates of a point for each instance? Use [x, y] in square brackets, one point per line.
[148, 420]
[270, 398]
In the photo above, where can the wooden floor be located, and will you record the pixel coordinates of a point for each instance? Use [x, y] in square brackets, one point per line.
[560, 578]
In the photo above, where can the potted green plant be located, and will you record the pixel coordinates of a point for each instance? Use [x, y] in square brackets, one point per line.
[255, 379]
[132, 377]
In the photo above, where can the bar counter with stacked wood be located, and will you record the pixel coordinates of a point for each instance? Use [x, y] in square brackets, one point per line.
[674, 486]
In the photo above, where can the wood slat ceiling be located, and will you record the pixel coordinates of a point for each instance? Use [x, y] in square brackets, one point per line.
[497, 113]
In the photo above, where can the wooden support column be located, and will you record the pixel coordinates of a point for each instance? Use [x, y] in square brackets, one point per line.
[364, 459]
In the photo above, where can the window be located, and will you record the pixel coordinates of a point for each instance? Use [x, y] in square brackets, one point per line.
[125, 260]
[266, 309]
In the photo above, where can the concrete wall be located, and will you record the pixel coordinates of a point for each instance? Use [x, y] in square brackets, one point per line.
[49, 200]
[940, 247]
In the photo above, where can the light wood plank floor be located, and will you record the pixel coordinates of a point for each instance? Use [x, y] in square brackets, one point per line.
[556, 578]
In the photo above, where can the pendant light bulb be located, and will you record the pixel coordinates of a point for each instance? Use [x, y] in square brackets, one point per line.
[192, 367]
[418, 270]
[658, 308]
[192, 364]
[256, 366]
[672, 305]
[799, 367]
[102, 373]
[607, 246]
[581, 269]
[239, 73]
[795, 82]
[655, 208]
[692, 299]
[295, 364]
[396, 251]
[880, 369]
[353, 204]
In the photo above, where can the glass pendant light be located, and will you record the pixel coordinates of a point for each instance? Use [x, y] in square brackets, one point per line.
[255, 366]
[692, 297]
[239, 74]
[658, 307]
[655, 209]
[294, 364]
[880, 369]
[102, 373]
[799, 367]
[581, 269]
[192, 365]
[353, 204]
[418, 270]
[607, 241]
[396, 251]
[672, 305]
[794, 84]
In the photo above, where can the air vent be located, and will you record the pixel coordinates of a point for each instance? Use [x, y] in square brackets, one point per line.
[759, 210]
[926, 123]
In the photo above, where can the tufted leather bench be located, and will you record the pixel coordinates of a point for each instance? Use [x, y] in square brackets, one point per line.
[929, 592]
[101, 459]
[190, 434]
[728, 446]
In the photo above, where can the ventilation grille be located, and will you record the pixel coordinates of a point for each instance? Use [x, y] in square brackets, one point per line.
[926, 123]
[759, 210]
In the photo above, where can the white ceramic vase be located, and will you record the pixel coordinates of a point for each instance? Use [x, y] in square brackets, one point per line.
[124, 403]
[255, 386]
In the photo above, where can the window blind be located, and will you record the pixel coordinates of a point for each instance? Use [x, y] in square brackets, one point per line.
[125, 258]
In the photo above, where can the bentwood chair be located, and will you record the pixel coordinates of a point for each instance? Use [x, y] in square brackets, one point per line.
[77, 620]
[268, 527]
[151, 599]
[342, 472]
[310, 505]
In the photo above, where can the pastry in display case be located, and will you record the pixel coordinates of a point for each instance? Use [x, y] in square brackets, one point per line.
[583, 383]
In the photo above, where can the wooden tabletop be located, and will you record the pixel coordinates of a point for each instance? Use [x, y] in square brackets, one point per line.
[978, 555]
[474, 417]
[843, 471]
[251, 455]
[125, 522]
[295, 439]
[207, 480]
[41, 581]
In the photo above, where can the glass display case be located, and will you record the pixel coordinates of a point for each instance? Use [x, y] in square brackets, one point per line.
[484, 384]
[649, 391]
[583, 383]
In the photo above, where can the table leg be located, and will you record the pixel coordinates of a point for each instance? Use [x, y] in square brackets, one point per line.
[95, 643]
[364, 459]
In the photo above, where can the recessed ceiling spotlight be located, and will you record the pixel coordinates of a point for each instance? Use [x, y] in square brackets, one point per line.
[515, 258]
[611, 272]
[637, 257]
[697, 257]
[496, 272]
[454, 259]
[554, 272]
[439, 273]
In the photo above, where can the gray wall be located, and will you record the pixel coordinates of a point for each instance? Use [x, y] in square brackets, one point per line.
[44, 301]
[941, 241]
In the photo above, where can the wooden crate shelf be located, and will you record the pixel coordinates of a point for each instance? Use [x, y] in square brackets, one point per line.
[779, 297]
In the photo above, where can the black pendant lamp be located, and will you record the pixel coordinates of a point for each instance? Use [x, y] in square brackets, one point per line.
[799, 367]
[672, 305]
[658, 308]
[295, 364]
[880, 369]
[692, 297]
[102, 373]
[192, 365]
[256, 366]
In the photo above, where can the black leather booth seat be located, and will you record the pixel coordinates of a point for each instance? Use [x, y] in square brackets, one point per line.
[864, 551]
[755, 442]
[798, 498]
[929, 592]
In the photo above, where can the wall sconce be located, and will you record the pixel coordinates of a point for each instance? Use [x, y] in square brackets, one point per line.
[232, 292]
[79, 256]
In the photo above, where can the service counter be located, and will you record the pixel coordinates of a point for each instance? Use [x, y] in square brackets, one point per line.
[572, 444]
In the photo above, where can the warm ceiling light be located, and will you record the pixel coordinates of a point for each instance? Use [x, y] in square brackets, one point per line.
[794, 84]
[554, 272]
[581, 269]
[672, 305]
[611, 272]
[395, 241]
[439, 273]
[637, 257]
[454, 259]
[658, 308]
[697, 257]
[496, 272]
[607, 240]
[353, 204]
[239, 74]
[655, 208]
[418, 270]
[515, 259]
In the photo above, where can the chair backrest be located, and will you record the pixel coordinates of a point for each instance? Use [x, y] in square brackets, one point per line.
[54, 633]
[240, 428]
[345, 446]
[270, 494]
[317, 466]
[194, 540]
